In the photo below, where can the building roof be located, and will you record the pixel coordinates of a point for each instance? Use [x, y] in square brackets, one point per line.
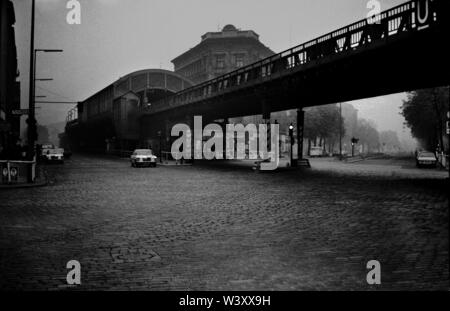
[228, 32]
[187, 82]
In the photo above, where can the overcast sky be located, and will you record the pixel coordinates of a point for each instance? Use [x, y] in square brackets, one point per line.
[117, 37]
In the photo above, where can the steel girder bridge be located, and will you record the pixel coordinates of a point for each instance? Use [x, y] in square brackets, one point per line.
[405, 50]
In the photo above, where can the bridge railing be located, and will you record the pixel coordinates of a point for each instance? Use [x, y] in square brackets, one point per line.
[72, 115]
[410, 16]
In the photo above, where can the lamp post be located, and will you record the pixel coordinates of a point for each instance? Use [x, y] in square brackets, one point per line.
[291, 136]
[32, 124]
[31, 117]
[31, 121]
[354, 142]
[160, 146]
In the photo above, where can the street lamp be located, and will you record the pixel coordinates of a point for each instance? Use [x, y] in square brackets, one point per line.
[354, 142]
[32, 124]
[31, 121]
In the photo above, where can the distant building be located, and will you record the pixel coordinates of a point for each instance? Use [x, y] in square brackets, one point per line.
[219, 53]
[9, 88]
[110, 119]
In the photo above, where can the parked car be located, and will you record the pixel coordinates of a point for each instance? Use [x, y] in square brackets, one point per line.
[316, 152]
[143, 157]
[426, 158]
[42, 150]
[55, 155]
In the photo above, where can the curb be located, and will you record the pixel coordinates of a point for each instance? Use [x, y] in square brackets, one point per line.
[173, 164]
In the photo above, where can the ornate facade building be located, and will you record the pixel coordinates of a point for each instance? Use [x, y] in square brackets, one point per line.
[219, 53]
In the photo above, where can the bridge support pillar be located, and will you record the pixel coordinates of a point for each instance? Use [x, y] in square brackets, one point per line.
[300, 132]
[265, 110]
[224, 131]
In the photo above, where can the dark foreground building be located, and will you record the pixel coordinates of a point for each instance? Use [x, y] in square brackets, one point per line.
[9, 88]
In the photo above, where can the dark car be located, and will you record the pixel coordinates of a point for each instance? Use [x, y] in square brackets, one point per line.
[67, 153]
[55, 155]
[426, 158]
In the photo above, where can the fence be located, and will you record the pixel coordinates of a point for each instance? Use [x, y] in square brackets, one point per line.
[17, 172]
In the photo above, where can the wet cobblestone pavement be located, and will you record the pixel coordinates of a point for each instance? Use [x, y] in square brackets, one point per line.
[204, 227]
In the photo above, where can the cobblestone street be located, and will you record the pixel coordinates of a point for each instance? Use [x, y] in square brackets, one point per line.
[208, 227]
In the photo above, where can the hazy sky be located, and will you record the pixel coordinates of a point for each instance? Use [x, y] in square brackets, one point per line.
[117, 37]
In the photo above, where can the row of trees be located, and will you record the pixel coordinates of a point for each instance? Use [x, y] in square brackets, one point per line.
[326, 125]
[425, 114]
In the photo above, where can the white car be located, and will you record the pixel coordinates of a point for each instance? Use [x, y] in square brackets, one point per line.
[54, 155]
[143, 157]
[426, 158]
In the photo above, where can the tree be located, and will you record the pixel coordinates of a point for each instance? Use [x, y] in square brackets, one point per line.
[389, 141]
[368, 136]
[323, 125]
[425, 114]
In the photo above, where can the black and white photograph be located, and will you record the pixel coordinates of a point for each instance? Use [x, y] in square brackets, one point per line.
[251, 147]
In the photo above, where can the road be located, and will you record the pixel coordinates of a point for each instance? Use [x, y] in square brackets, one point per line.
[208, 227]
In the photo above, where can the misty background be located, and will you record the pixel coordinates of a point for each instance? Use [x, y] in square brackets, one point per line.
[117, 37]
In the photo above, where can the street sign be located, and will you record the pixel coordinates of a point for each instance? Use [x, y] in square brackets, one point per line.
[20, 112]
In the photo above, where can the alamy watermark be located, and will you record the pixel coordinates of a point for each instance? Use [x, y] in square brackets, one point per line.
[235, 142]
[74, 275]
[374, 15]
[374, 275]
[73, 17]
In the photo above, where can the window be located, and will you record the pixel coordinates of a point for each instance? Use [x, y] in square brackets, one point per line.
[239, 60]
[220, 61]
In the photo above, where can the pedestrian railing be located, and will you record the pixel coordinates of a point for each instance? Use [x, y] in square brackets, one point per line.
[16, 172]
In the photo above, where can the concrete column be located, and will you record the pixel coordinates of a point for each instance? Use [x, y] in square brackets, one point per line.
[300, 132]
[224, 131]
[265, 110]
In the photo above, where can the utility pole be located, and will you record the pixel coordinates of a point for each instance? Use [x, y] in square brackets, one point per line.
[160, 146]
[31, 115]
[31, 121]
